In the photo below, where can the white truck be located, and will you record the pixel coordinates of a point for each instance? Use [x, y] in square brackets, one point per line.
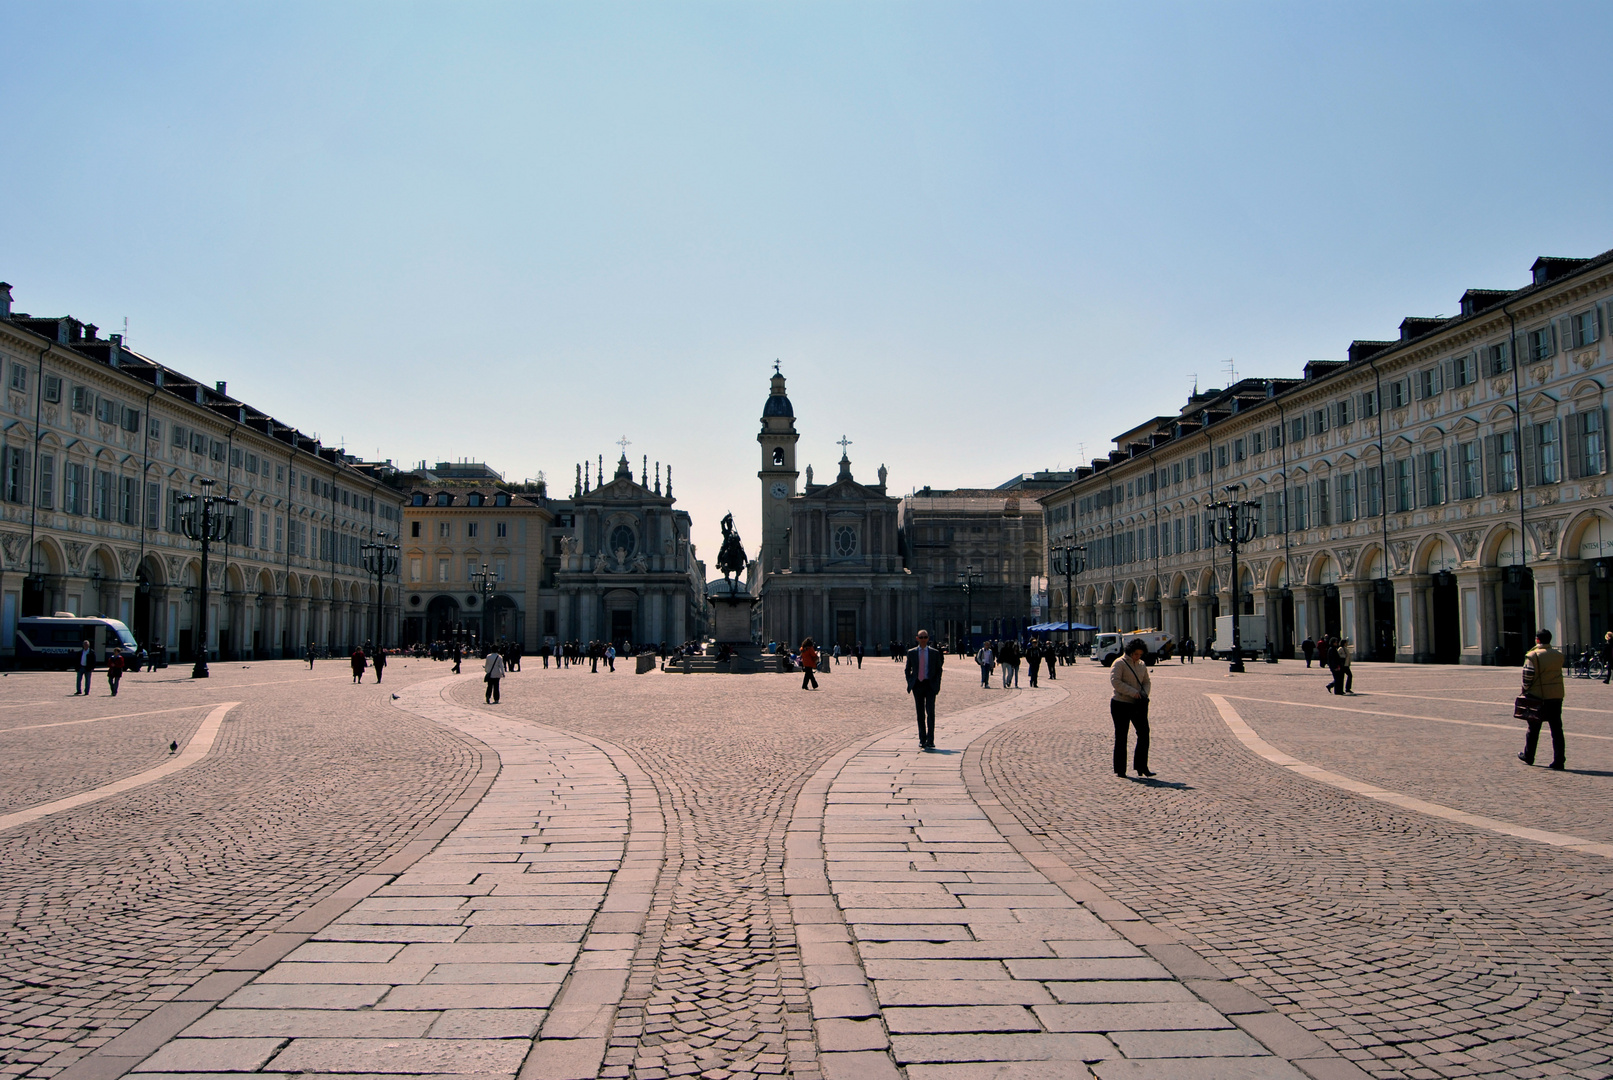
[1251, 636]
[1106, 648]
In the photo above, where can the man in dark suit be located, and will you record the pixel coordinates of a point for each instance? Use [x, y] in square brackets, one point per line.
[924, 682]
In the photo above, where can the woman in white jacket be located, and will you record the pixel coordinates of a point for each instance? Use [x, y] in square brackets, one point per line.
[495, 674]
[1128, 679]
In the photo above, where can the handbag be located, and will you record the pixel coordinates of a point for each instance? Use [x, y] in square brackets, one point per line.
[1525, 707]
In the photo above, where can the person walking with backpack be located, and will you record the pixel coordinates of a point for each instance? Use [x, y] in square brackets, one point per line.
[1543, 689]
[1128, 706]
[986, 660]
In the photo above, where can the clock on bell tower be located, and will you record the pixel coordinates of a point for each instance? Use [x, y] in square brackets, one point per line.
[778, 438]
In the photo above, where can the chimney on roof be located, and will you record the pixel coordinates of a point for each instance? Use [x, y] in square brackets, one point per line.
[219, 386]
[90, 330]
[5, 299]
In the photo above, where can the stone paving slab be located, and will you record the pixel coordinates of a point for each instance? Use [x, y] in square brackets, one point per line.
[396, 985]
[967, 947]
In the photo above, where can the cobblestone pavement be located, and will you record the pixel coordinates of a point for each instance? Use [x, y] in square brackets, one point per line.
[1414, 946]
[719, 983]
[109, 910]
[727, 876]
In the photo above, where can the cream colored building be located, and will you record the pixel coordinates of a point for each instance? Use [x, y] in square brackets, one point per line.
[1434, 498]
[98, 440]
[459, 520]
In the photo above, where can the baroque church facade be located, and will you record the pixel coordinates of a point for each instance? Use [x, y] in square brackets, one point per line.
[830, 563]
[614, 562]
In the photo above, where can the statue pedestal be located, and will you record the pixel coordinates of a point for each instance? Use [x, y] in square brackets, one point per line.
[730, 623]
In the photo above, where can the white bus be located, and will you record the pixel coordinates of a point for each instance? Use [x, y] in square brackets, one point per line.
[54, 641]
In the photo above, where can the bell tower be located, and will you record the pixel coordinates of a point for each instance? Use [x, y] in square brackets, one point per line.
[778, 438]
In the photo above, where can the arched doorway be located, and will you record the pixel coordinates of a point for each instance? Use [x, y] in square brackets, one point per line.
[1327, 576]
[504, 619]
[1444, 605]
[1516, 633]
[442, 618]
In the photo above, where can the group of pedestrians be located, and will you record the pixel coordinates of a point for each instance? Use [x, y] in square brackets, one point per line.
[361, 660]
[1333, 653]
[1008, 655]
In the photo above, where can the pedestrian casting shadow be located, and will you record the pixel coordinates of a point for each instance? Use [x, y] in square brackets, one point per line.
[1148, 781]
[1589, 772]
[942, 750]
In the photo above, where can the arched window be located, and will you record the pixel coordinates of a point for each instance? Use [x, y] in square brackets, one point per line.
[778, 455]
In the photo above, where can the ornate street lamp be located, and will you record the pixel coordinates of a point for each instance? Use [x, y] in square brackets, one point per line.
[1069, 559]
[486, 583]
[967, 580]
[380, 559]
[1234, 522]
[207, 528]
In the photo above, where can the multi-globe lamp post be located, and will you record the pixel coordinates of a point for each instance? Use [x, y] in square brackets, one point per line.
[381, 559]
[967, 580]
[1234, 522]
[485, 581]
[201, 524]
[1069, 559]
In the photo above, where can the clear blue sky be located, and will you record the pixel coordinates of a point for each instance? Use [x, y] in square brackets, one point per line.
[978, 236]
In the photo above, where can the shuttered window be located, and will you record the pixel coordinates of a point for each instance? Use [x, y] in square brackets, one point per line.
[1500, 462]
[1470, 479]
[1586, 443]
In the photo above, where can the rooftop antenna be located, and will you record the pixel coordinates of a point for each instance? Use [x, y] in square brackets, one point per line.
[1195, 384]
[1232, 371]
[126, 331]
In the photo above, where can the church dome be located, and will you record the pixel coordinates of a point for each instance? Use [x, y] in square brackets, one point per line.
[778, 405]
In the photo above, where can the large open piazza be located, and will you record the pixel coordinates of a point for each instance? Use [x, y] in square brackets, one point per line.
[274, 870]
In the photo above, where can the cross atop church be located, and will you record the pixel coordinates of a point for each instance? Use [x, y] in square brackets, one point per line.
[843, 443]
[624, 442]
[776, 371]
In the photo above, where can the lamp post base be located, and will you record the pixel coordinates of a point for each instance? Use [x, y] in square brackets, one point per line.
[1236, 667]
[200, 670]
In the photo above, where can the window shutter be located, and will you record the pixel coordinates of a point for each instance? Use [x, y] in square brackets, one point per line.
[1565, 333]
[1599, 465]
[1420, 473]
[25, 482]
[1268, 515]
[1492, 473]
[1573, 439]
[1531, 472]
[1448, 366]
